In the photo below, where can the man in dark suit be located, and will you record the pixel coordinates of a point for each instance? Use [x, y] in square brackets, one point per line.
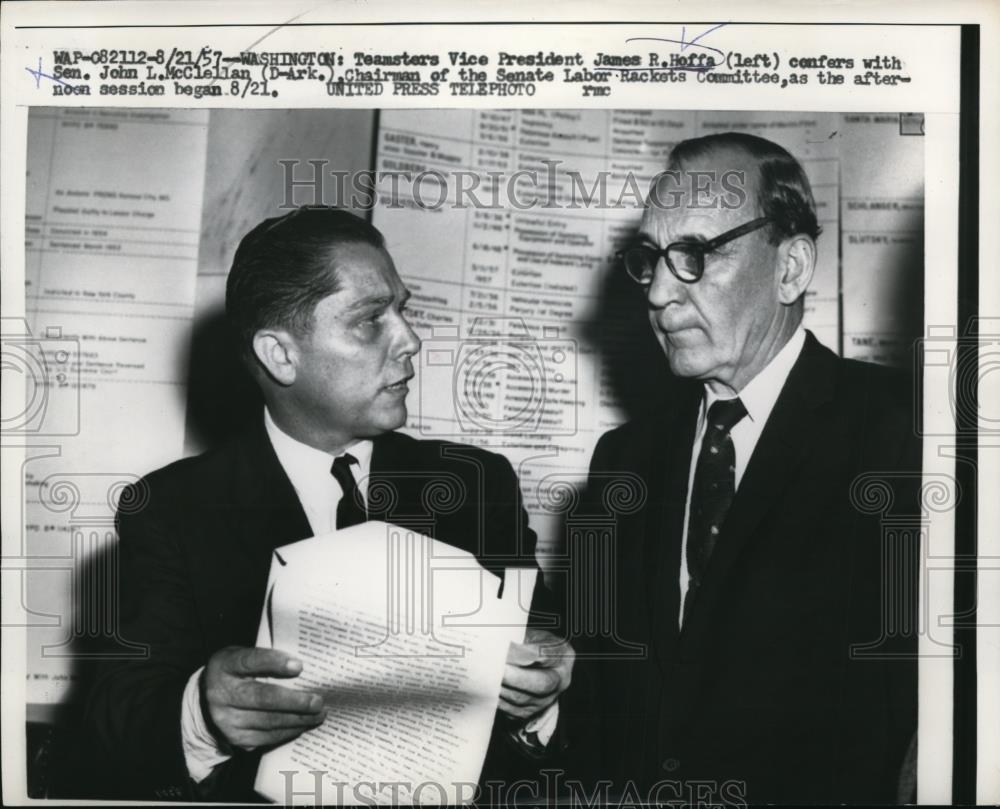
[320, 314]
[764, 646]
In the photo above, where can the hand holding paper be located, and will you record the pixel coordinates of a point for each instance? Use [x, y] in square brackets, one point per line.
[537, 672]
[249, 713]
[406, 640]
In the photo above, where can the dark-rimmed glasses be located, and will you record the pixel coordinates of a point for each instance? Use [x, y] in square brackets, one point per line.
[686, 260]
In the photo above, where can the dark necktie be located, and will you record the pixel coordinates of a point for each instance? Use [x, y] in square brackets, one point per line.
[714, 488]
[350, 509]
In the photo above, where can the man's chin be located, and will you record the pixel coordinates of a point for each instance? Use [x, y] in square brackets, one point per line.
[393, 418]
[687, 364]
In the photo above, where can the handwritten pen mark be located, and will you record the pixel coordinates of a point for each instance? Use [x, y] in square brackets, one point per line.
[680, 42]
[685, 44]
[276, 28]
[666, 69]
[39, 75]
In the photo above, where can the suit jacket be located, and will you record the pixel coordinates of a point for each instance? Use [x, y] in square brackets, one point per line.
[787, 683]
[195, 544]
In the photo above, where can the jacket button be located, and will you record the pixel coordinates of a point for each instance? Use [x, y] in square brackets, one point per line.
[670, 764]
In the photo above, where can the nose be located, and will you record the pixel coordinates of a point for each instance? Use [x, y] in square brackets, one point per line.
[408, 341]
[665, 288]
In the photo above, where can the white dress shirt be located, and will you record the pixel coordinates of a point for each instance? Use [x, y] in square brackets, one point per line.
[319, 493]
[309, 471]
[758, 397]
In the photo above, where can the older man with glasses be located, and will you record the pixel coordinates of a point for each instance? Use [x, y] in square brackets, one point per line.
[773, 614]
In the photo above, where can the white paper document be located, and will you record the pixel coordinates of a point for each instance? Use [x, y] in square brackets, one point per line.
[406, 638]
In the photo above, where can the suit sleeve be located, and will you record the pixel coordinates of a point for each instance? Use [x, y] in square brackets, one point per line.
[901, 685]
[580, 724]
[510, 540]
[885, 603]
[133, 713]
[508, 536]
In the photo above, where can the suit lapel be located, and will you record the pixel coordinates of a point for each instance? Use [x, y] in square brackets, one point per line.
[253, 510]
[784, 445]
[668, 479]
[272, 513]
[396, 483]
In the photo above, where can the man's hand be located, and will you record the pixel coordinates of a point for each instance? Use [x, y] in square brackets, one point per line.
[537, 672]
[252, 714]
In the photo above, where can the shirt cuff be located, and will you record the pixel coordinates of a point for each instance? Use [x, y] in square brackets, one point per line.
[201, 752]
[539, 730]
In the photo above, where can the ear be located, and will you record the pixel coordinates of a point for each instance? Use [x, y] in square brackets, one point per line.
[277, 352]
[797, 261]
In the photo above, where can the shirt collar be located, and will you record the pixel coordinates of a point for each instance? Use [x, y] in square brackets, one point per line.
[308, 468]
[761, 392]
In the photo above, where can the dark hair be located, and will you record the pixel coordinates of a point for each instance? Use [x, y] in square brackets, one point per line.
[285, 266]
[783, 191]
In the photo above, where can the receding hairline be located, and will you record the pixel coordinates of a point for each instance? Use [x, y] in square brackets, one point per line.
[708, 154]
[335, 264]
[332, 252]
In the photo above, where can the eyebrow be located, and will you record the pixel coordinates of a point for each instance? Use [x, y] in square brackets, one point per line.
[375, 301]
[684, 237]
[692, 237]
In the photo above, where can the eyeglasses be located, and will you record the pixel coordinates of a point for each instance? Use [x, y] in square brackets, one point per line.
[686, 260]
